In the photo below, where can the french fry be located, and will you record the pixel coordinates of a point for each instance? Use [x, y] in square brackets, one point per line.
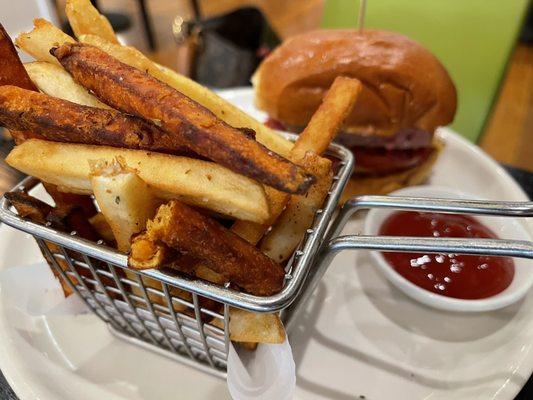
[60, 120]
[125, 199]
[100, 225]
[186, 230]
[84, 18]
[287, 232]
[196, 182]
[216, 104]
[66, 218]
[12, 73]
[37, 211]
[11, 70]
[38, 42]
[55, 81]
[187, 122]
[329, 117]
[316, 137]
[250, 328]
[45, 35]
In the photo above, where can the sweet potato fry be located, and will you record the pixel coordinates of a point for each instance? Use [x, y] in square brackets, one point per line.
[135, 92]
[62, 121]
[196, 182]
[202, 95]
[186, 230]
[84, 18]
[12, 71]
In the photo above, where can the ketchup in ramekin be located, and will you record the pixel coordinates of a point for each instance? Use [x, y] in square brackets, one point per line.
[452, 275]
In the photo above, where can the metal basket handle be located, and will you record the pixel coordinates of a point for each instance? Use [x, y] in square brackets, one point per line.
[334, 243]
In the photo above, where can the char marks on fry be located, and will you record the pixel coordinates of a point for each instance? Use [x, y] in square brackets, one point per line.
[137, 93]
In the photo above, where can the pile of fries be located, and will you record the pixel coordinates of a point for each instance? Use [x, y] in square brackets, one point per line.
[182, 179]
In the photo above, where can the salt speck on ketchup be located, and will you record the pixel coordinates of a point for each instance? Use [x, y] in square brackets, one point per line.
[452, 275]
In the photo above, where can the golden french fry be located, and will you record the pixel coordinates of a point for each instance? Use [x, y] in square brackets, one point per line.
[196, 182]
[329, 117]
[38, 42]
[55, 81]
[251, 328]
[147, 254]
[286, 233]
[316, 137]
[202, 95]
[289, 229]
[84, 18]
[101, 226]
[123, 197]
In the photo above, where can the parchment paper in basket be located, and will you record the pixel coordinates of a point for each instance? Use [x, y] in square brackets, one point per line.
[268, 373]
[33, 290]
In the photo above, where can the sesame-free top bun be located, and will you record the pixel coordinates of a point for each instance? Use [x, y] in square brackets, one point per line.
[405, 86]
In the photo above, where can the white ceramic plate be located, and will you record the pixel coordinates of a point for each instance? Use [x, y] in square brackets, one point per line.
[358, 337]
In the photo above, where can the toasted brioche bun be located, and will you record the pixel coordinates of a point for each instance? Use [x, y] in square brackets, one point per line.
[404, 84]
[380, 185]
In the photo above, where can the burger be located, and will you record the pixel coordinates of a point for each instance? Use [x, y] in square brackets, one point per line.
[407, 94]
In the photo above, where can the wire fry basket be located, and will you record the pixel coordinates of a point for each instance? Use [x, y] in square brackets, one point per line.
[185, 319]
[188, 319]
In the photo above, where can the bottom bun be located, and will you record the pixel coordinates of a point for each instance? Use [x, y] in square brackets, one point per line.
[358, 186]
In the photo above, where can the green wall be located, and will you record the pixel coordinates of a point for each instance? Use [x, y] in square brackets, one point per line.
[473, 38]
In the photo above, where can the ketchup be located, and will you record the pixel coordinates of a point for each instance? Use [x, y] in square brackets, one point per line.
[452, 275]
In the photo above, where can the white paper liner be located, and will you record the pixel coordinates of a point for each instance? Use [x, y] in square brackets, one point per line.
[268, 373]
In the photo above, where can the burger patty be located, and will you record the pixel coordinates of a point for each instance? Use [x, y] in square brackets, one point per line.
[381, 155]
[381, 161]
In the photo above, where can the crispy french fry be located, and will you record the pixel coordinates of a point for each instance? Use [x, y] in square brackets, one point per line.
[67, 218]
[55, 81]
[286, 233]
[147, 254]
[251, 328]
[125, 199]
[184, 229]
[38, 42]
[328, 119]
[196, 182]
[12, 73]
[60, 120]
[84, 18]
[220, 107]
[289, 229]
[315, 138]
[137, 93]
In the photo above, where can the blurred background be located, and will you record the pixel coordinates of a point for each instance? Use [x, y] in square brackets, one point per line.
[485, 44]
